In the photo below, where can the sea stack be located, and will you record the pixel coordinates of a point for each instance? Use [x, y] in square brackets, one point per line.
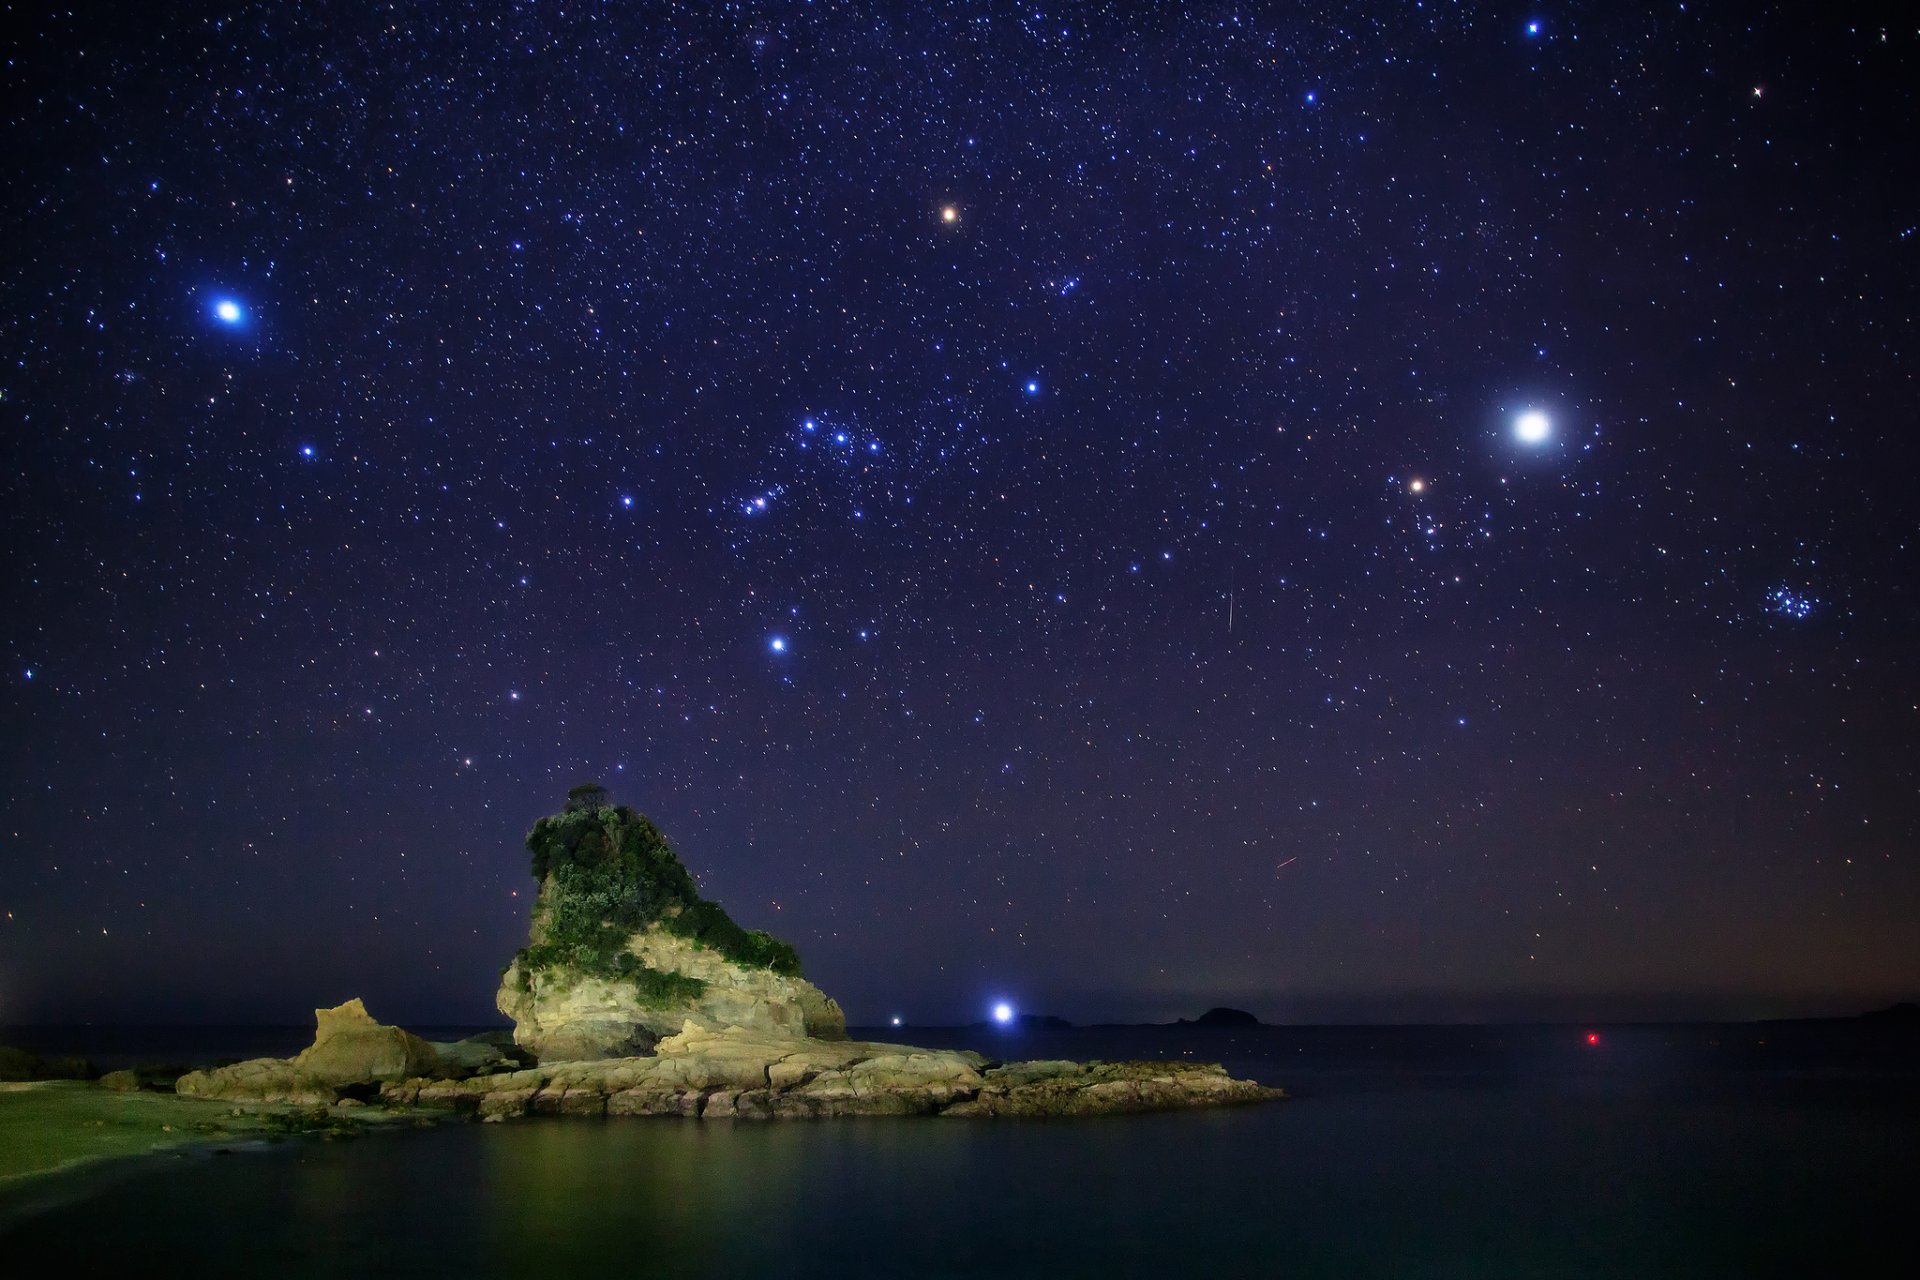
[623, 951]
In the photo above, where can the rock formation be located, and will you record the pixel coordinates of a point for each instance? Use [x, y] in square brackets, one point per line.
[351, 1056]
[639, 997]
[623, 950]
[349, 1047]
[744, 1075]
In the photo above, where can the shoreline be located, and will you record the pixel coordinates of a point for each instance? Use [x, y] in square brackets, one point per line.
[56, 1129]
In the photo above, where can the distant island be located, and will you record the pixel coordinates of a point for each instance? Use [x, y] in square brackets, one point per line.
[1220, 1016]
[634, 996]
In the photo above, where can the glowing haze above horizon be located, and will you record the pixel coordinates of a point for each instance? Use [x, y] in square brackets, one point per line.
[1376, 513]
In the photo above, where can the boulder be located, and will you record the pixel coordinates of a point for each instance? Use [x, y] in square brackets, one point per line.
[350, 1048]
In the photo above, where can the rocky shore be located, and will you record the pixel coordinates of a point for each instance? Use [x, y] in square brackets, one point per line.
[635, 996]
[704, 1073]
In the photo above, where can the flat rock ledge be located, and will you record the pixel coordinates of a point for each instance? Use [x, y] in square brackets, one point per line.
[739, 1074]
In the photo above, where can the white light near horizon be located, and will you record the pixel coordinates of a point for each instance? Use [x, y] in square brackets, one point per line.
[1003, 1012]
[897, 1020]
[1533, 427]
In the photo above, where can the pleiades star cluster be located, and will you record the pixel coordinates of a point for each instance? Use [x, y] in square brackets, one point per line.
[1354, 511]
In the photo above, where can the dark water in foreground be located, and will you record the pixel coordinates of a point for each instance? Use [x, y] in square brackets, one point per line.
[1662, 1151]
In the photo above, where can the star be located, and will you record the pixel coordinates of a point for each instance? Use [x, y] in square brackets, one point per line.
[1533, 427]
[777, 643]
[228, 312]
[949, 214]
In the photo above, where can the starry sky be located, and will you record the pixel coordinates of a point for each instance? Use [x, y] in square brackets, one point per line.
[1374, 511]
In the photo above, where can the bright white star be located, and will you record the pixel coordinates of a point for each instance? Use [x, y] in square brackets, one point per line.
[1533, 427]
[227, 311]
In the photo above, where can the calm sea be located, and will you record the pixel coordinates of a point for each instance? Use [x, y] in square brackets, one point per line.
[1695, 1151]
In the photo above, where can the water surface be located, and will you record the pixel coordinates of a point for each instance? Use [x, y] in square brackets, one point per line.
[1409, 1152]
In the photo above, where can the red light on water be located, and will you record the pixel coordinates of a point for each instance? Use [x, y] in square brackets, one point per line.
[1593, 1037]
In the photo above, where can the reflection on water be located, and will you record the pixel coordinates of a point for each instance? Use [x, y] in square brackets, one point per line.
[693, 1198]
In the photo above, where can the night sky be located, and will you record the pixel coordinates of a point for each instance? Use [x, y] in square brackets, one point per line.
[1370, 512]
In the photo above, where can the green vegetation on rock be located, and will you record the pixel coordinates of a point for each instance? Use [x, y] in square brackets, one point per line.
[607, 873]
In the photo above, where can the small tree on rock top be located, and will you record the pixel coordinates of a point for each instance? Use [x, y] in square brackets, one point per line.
[587, 797]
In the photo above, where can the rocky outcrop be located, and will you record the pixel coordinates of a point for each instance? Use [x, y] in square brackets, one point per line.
[350, 1052]
[638, 997]
[561, 1014]
[622, 949]
[1106, 1088]
[349, 1047]
[745, 1075]
[257, 1080]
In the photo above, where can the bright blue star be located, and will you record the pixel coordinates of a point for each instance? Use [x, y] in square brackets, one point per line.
[1533, 28]
[228, 311]
[778, 644]
[1033, 388]
[306, 451]
[1533, 427]
[626, 499]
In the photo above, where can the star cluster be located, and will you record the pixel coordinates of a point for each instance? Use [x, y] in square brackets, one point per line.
[1311, 509]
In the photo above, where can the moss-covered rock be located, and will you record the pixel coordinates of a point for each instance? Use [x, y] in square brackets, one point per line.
[623, 949]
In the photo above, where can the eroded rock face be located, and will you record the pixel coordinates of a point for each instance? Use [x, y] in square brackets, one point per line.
[349, 1047]
[349, 1050]
[561, 1015]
